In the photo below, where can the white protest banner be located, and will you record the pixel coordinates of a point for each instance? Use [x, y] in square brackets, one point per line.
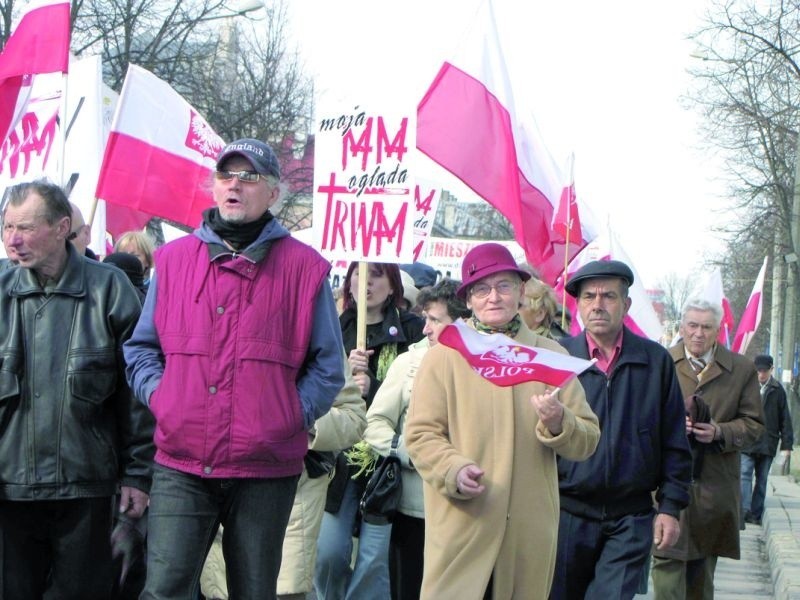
[363, 186]
[446, 254]
[29, 149]
[426, 203]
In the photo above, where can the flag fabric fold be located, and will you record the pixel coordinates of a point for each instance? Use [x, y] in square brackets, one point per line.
[715, 293]
[751, 317]
[468, 123]
[160, 152]
[504, 362]
[566, 218]
[641, 318]
[39, 43]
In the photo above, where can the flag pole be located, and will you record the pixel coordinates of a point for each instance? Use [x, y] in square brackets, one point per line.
[62, 131]
[564, 280]
[361, 306]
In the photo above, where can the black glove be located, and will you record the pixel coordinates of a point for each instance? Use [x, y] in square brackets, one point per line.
[126, 542]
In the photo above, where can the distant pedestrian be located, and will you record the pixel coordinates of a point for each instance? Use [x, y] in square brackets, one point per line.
[757, 459]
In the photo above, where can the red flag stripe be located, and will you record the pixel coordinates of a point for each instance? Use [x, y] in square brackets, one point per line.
[504, 362]
[141, 176]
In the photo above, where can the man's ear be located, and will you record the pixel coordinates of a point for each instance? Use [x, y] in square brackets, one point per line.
[63, 227]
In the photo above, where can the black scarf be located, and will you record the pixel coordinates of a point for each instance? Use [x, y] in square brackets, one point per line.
[238, 235]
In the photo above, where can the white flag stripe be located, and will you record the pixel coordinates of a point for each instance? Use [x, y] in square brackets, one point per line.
[152, 112]
[478, 343]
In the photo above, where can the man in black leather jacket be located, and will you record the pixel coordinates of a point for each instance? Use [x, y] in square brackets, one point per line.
[71, 433]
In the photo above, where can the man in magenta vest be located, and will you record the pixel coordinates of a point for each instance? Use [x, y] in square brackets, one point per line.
[237, 353]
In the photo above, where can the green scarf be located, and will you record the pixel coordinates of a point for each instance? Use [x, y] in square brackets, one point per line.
[385, 358]
[511, 329]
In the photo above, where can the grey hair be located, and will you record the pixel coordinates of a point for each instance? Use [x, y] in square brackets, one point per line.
[56, 205]
[702, 305]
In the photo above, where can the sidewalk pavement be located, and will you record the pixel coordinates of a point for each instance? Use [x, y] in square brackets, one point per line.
[781, 522]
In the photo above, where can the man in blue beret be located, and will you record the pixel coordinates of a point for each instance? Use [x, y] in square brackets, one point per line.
[608, 519]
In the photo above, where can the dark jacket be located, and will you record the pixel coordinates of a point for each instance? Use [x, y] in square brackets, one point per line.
[643, 445]
[728, 386]
[777, 421]
[401, 327]
[69, 425]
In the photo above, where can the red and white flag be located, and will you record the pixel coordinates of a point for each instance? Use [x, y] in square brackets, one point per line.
[38, 44]
[469, 123]
[751, 317]
[715, 293]
[160, 152]
[566, 218]
[501, 360]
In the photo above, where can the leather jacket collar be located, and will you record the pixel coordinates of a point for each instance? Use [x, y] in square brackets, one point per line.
[71, 283]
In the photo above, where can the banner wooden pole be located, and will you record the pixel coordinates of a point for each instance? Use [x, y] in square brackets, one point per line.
[361, 306]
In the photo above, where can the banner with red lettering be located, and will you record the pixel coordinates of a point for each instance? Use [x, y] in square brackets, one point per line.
[502, 361]
[426, 203]
[30, 149]
[364, 191]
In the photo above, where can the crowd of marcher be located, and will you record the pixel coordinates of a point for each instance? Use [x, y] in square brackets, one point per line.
[187, 422]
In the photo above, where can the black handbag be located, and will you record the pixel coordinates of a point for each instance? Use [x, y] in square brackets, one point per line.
[382, 494]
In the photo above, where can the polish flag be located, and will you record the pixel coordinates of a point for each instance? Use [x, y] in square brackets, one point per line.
[160, 152]
[502, 361]
[714, 292]
[38, 44]
[751, 317]
[566, 218]
[469, 123]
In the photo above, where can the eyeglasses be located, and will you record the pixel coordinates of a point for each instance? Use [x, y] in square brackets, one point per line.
[243, 176]
[482, 290]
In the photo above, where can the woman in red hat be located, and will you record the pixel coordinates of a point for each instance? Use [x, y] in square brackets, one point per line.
[487, 454]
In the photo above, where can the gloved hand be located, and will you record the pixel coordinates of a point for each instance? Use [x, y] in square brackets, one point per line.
[126, 542]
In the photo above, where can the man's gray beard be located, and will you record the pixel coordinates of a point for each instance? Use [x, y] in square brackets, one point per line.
[238, 219]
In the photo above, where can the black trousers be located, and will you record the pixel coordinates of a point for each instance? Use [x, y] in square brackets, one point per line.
[406, 557]
[56, 549]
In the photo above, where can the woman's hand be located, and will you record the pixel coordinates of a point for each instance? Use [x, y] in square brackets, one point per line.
[359, 360]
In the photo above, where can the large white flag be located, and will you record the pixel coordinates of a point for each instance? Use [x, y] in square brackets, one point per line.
[160, 152]
[470, 123]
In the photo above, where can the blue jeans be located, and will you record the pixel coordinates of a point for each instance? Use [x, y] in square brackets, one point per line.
[753, 496]
[333, 577]
[185, 513]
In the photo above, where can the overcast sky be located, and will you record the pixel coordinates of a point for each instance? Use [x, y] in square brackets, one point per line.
[604, 79]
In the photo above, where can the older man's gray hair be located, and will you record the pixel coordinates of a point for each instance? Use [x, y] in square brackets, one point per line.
[702, 305]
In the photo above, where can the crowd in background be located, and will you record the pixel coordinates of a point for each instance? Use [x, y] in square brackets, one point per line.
[201, 421]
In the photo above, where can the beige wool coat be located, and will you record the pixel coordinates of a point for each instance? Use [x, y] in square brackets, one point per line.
[457, 418]
[728, 384]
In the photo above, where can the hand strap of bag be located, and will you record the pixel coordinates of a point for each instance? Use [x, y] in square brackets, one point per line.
[395, 441]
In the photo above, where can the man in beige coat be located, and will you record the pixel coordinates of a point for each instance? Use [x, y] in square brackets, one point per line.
[487, 453]
[724, 416]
